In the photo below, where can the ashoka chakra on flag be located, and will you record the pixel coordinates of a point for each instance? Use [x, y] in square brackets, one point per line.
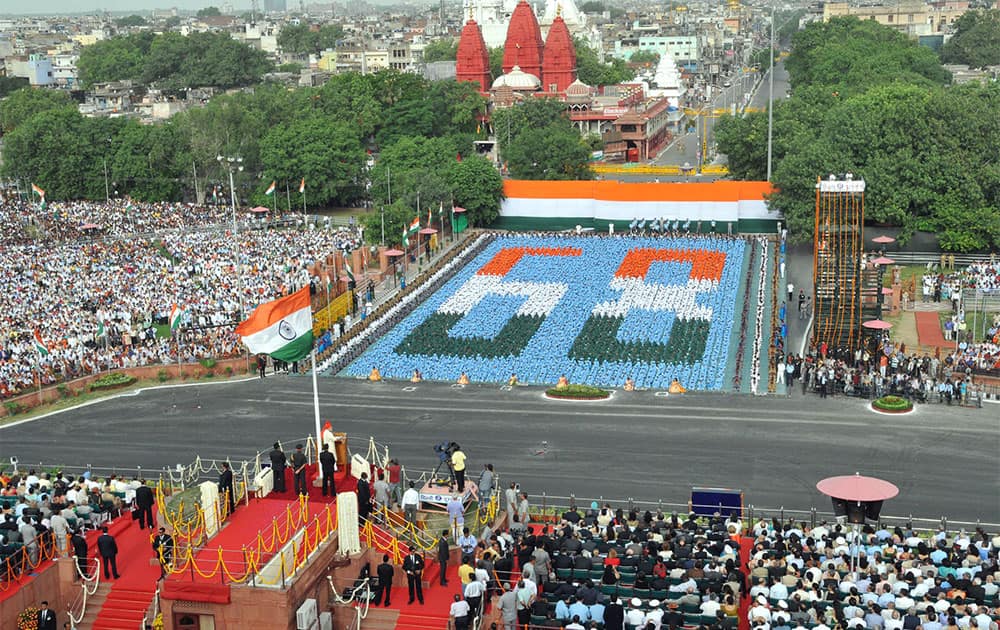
[282, 328]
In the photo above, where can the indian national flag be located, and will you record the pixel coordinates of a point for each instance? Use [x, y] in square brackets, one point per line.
[430, 217]
[100, 329]
[347, 268]
[282, 328]
[406, 237]
[302, 186]
[270, 189]
[175, 317]
[35, 188]
[39, 344]
[414, 225]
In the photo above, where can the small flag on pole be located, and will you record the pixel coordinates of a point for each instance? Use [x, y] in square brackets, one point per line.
[441, 211]
[101, 332]
[270, 189]
[430, 217]
[282, 328]
[35, 188]
[302, 186]
[39, 344]
[347, 268]
[175, 317]
[414, 225]
[406, 237]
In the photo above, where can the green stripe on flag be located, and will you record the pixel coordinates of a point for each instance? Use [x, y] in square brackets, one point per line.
[296, 350]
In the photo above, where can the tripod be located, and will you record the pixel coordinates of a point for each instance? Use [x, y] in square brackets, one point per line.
[443, 461]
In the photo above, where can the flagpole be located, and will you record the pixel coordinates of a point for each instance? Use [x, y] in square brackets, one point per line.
[305, 217]
[319, 434]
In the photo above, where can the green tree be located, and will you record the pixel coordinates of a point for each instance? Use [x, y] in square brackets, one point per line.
[593, 6]
[645, 56]
[976, 41]
[552, 152]
[209, 12]
[848, 55]
[114, 59]
[591, 71]
[351, 97]
[510, 122]
[131, 21]
[441, 50]
[304, 39]
[24, 104]
[477, 187]
[496, 62]
[172, 22]
[11, 84]
[51, 149]
[389, 220]
[326, 153]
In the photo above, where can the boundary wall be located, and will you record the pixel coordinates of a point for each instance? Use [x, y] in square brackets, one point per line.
[562, 205]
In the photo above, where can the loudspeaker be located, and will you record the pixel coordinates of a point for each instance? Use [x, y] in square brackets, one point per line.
[856, 512]
[839, 507]
[872, 509]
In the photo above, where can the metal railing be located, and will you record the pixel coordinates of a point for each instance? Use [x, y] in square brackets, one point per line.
[751, 513]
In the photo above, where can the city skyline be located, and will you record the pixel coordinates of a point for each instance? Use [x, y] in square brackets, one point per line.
[52, 7]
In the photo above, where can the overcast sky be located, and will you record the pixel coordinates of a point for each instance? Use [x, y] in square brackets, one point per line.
[78, 6]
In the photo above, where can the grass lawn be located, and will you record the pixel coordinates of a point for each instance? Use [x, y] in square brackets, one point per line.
[974, 320]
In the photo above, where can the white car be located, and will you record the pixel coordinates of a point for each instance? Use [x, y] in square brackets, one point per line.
[726, 84]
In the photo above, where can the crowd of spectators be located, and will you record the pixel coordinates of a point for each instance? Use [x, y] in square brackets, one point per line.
[68, 291]
[891, 369]
[40, 509]
[833, 578]
[22, 222]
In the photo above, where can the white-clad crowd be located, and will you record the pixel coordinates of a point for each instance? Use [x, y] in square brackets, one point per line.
[24, 223]
[67, 291]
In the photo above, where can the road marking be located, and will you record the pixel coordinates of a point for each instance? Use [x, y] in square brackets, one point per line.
[576, 411]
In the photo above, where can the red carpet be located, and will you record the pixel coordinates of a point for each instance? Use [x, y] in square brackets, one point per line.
[929, 330]
[746, 548]
[241, 530]
[131, 595]
[433, 614]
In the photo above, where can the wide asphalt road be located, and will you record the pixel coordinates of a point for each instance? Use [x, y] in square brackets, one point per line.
[944, 459]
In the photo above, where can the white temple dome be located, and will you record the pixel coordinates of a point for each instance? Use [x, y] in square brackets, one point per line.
[517, 79]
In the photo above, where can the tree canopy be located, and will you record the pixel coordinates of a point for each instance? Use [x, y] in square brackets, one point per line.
[976, 41]
[441, 50]
[929, 152]
[304, 39]
[591, 71]
[415, 129]
[173, 62]
[538, 141]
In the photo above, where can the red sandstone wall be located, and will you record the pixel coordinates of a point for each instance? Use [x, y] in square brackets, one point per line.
[184, 373]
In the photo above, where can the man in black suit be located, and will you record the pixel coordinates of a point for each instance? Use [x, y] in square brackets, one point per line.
[79, 544]
[443, 555]
[614, 616]
[46, 617]
[328, 464]
[108, 548]
[278, 461]
[364, 497]
[299, 470]
[414, 568]
[144, 500]
[163, 546]
[385, 573]
[226, 486]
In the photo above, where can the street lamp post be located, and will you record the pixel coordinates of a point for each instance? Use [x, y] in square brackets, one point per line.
[770, 97]
[234, 165]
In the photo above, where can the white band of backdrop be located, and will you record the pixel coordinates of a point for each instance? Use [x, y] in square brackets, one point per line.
[624, 201]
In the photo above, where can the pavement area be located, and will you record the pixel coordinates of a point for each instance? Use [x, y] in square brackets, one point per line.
[638, 444]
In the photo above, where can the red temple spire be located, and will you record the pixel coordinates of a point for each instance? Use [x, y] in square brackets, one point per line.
[524, 45]
[473, 59]
[559, 64]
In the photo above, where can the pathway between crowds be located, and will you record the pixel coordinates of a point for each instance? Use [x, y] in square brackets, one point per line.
[929, 330]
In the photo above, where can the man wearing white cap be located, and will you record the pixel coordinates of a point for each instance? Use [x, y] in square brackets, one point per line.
[635, 616]
[759, 610]
[780, 616]
[655, 614]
